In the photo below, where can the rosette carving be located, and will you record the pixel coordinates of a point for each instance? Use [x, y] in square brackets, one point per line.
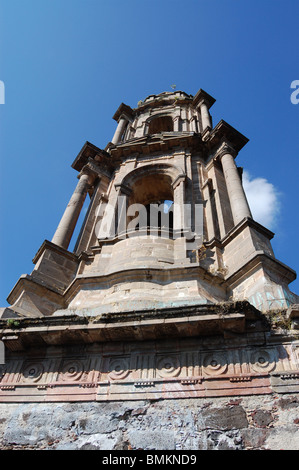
[168, 366]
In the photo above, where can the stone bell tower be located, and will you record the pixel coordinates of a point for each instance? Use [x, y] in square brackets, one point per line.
[171, 284]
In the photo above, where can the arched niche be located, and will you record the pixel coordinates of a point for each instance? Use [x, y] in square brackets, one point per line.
[153, 185]
[159, 123]
[148, 181]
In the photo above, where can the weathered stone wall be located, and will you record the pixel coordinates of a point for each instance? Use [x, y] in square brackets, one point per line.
[241, 423]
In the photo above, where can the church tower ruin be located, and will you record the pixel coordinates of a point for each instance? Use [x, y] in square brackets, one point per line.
[172, 287]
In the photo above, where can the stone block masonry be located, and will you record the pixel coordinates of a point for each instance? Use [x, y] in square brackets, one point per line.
[163, 151]
[154, 334]
[239, 423]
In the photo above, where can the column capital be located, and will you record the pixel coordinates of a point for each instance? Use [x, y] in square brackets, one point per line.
[225, 148]
[124, 117]
[203, 102]
[203, 97]
[123, 111]
[91, 170]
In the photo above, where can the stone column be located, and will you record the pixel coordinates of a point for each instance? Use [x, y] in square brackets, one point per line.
[66, 227]
[184, 119]
[120, 129]
[122, 208]
[178, 187]
[205, 116]
[210, 227]
[193, 122]
[176, 123]
[238, 201]
[114, 212]
[179, 222]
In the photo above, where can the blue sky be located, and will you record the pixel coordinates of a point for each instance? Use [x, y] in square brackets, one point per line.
[68, 64]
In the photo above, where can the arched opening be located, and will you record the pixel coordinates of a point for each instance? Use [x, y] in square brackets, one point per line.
[159, 215]
[160, 124]
[152, 197]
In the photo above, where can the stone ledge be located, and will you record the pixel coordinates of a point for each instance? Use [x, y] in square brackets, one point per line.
[176, 322]
[164, 368]
[247, 222]
[293, 312]
[56, 249]
[29, 284]
[158, 274]
[262, 259]
[224, 130]
[114, 390]
[285, 382]
[157, 143]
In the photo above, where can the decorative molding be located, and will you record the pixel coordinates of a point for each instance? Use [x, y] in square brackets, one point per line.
[179, 179]
[208, 183]
[92, 170]
[123, 189]
[186, 372]
[224, 149]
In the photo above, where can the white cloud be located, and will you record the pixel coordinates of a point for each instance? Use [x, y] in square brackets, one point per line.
[263, 199]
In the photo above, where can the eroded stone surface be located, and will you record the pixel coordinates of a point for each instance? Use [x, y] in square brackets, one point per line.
[191, 424]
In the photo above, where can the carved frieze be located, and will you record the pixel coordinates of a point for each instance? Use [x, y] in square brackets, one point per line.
[186, 372]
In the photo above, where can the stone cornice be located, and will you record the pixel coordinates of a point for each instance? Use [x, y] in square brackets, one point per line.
[267, 262]
[236, 230]
[164, 99]
[90, 152]
[123, 109]
[202, 96]
[161, 142]
[131, 274]
[184, 321]
[55, 248]
[225, 148]
[94, 170]
[224, 132]
[27, 282]
[247, 222]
